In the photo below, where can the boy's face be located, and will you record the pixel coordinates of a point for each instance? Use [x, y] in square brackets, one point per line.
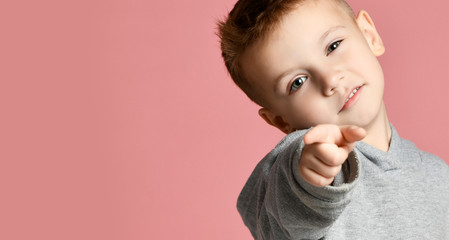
[309, 68]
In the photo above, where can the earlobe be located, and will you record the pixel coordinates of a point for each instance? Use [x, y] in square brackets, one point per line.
[366, 26]
[275, 120]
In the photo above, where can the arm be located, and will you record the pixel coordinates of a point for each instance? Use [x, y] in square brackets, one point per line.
[279, 203]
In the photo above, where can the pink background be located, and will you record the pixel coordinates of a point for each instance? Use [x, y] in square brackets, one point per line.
[119, 121]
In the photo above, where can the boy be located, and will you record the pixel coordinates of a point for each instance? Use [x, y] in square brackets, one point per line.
[342, 172]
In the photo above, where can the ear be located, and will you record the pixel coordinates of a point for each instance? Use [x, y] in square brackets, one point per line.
[366, 26]
[275, 120]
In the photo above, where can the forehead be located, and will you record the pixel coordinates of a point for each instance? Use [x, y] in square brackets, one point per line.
[311, 15]
[308, 23]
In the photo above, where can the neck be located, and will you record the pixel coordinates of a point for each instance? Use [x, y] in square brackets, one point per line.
[379, 132]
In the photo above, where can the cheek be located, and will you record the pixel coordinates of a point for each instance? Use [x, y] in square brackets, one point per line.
[366, 61]
[307, 114]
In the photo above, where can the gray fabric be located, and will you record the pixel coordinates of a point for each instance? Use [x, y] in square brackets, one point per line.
[399, 194]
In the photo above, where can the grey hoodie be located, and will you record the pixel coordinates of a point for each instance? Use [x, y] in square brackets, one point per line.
[399, 194]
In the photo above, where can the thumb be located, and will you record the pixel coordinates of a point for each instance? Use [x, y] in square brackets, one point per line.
[352, 134]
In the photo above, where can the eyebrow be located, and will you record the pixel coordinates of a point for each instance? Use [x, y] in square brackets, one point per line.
[282, 76]
[325, 34]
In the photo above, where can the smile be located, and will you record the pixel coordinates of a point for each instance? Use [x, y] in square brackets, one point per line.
[352, 98]
[352, 94]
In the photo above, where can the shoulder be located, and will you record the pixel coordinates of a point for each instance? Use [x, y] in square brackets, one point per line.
[432, 161]
[432, 166]
[427, 160]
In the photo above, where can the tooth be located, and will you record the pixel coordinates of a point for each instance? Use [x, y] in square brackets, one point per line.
[352, 94]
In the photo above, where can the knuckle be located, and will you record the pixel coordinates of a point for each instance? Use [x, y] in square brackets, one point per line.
[302, 171]
[304, 161]
[335, 170]
[331, 172]
[321, 181]
[334, 159]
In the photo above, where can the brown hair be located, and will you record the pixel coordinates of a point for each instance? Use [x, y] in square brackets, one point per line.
[249, 21]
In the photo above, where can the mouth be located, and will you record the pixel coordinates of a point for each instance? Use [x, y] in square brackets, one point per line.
[352, 97]
[352, 94]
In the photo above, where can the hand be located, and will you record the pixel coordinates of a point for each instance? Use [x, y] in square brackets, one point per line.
[326, 148]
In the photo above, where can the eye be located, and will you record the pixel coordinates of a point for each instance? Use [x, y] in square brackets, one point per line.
[297, 83]
[333, 46]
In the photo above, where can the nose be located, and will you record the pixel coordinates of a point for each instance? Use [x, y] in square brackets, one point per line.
[329, 81]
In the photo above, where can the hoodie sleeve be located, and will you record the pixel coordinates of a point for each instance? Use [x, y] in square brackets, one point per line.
[277, 203]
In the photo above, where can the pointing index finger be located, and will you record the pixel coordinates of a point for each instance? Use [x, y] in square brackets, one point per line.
[339, 135]
[322, 134]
